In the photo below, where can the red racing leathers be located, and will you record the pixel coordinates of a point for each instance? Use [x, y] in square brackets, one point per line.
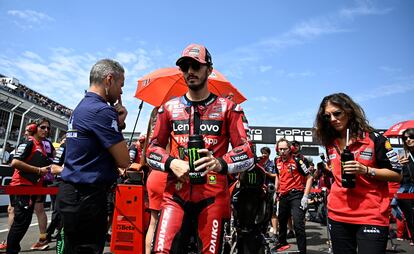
[220, 122]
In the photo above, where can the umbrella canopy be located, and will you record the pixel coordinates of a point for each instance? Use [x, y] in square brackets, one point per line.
[397, 129]
[163, 84]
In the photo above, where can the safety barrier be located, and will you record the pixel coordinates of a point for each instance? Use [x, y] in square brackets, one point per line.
[28, 190]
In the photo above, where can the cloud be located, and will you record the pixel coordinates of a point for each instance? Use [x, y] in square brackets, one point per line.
[32, 55]
[314, 28]
[265, 99]
[30, 16]
[126, 57]
[293, 74]
[383, 91]
[143, 63]
[265, 68]
[301, 74]
[390, 70]
[28, 19]
[384, 122]
[300, 33]
[363, 8]
[63, 74]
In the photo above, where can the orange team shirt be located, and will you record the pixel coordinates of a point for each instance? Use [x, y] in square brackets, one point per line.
[368, 202]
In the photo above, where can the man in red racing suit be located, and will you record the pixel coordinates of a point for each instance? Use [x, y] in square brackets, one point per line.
[219, 121]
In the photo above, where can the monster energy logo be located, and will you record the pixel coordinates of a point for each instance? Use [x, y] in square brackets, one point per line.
[252, 177]
[60, 244]
[193, 155]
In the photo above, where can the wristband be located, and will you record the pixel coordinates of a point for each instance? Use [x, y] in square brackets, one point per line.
[224, 166]
[366, 173]
[372, 173]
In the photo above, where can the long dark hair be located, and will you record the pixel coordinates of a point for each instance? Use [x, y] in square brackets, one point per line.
[323, 131]
[410, 132]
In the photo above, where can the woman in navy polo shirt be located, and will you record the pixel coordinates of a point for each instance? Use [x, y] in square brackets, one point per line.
[358, 217]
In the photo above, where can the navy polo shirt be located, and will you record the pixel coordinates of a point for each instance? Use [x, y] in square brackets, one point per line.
[92, 129]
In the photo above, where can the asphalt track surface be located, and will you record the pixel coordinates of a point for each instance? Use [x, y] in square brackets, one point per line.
[316, 239]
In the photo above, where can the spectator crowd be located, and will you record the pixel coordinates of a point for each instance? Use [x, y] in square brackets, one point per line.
[35, 97]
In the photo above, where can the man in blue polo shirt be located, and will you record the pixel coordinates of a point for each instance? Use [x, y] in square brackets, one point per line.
[95, 148]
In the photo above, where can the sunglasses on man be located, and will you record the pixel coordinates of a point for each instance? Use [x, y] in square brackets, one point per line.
[185, 66]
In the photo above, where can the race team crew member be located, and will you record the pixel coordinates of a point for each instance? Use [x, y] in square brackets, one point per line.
[359, 216]
[219, 121]
[373, 207]
[95, 148]
[293, 194]
[135, 150]
[30, 165]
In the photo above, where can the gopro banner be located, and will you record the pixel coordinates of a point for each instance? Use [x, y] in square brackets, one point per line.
[269, 135]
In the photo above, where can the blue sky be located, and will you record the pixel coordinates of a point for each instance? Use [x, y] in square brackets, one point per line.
[284, 56]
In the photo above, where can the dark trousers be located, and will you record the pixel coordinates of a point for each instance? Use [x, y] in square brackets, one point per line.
[55, 222]
[23, 211]
[84, 215]
[289, 205]
[407, 206]
[347, 238]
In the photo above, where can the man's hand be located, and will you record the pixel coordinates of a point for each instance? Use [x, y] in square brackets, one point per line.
[44, 170]
[180, 169]
[122, 112]
[122, 172]
[207, 163]
[135, 166]
[304, 202]
[56, 169]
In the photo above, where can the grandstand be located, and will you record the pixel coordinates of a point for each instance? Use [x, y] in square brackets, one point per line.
[20, 104]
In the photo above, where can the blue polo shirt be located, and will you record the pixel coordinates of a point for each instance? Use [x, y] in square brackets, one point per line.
[92, 129]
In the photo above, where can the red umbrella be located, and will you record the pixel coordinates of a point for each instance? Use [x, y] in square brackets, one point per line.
[397, 129]
[163, 84]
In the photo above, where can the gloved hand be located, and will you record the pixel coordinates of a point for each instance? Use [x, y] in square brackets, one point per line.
[304, 202]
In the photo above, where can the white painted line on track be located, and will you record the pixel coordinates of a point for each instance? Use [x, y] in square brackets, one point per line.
[31, 225]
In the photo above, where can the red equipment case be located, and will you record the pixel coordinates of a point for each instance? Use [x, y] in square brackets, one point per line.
[128, 228]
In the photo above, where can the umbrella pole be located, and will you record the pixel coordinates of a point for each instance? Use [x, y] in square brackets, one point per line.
[136, 121]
